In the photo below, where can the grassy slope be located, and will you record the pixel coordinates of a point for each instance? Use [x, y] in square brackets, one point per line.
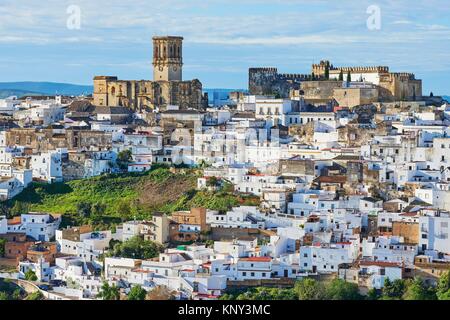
[140, 194]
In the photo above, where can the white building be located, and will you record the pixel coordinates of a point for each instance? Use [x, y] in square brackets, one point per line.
[238, 217]
[273, 111]
[89, 246]
[13, 181]
[434, 232]
[47, 166]
[327, 258]
[39, 226]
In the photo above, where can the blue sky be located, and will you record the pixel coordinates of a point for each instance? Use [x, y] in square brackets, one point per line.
[223, 38]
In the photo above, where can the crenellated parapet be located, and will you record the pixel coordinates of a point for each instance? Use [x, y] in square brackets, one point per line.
[293, 76]
[263, 70]
[404, 75]
[369, 69]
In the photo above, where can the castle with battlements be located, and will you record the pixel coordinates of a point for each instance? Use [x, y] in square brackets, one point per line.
[390, 86]
[167, 87]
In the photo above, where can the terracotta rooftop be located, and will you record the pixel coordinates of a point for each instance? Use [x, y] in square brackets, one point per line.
[379, 263]
[15, 221]
[257, 259]
[332, 179]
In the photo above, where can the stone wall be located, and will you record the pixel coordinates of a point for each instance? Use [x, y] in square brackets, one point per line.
[351, 97]
[408, 230]
[267, 81]
[148, 95]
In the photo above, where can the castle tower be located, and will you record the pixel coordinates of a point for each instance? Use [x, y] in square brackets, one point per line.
[167, 58]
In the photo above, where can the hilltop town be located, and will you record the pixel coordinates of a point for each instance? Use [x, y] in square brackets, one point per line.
[336, 180]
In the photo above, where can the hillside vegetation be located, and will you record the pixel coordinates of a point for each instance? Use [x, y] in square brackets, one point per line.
[109, 199]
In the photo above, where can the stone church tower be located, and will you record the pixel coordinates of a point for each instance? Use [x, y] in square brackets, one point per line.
[167, 58]
[166, 88]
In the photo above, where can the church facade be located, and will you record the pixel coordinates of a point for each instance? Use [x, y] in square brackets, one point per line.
[167, 87]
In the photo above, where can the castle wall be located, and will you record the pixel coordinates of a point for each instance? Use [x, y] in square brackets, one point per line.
[319, 89]
[400, 86]
[351, 97]
[267, 81]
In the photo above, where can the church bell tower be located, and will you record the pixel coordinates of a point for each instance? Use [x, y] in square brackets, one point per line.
[167, 58]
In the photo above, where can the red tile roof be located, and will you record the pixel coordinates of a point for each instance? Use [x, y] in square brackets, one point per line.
[15, 221]
[257, 259]
[332, 179]
[379, 263]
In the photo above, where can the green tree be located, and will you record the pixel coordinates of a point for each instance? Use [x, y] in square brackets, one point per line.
[3, 296]
[84, 209]
[2, 247]
[212, 182]
[393, 290]
[443, 287]
[310, 289]
[98, 209]
[16, 295]
[417, 290]
[30, 275]
[327, 71]
[137, 248]
[124, 158]
[263, 293]
[349, 77]
[108, 292]
[19, 208]
[341, 76]
[339, 289]
[277, 95]
[37, 295]
[124, 209]
[372, 294]
[137, 293]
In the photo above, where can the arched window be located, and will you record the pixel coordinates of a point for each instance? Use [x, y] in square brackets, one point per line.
[178, 51]
[113, 91]
[164, 53]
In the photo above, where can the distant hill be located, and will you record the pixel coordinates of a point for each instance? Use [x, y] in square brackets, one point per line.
[446, 98]
[5, 93]
[44, 88]
[220, 93]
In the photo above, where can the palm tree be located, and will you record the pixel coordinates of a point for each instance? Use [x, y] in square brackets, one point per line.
[108, 292]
